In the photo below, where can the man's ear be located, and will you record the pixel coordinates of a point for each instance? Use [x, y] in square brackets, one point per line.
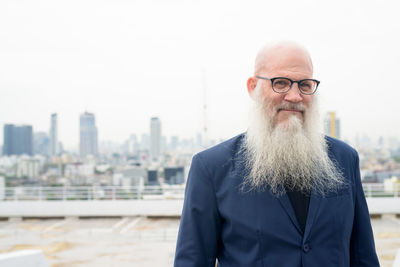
[251, 86]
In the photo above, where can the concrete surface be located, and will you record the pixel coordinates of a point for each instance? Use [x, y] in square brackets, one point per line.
[132, 241]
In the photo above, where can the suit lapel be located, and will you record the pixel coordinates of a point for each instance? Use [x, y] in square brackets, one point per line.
[287, 206]
[312, 214]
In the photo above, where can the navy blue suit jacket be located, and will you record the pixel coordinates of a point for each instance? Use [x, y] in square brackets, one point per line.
[257, 229]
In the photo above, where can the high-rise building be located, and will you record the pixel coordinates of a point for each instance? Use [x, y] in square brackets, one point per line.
[28, 167]
[41, 143]
[53, 135]
[155, 138]
[88, 144]
[163, 144]
[332, 125]
[152, 177]
[174, 142]
[145, 142]
[199, 140]
[174, 175]
[132, 145]
[18, 140]
[8, 139]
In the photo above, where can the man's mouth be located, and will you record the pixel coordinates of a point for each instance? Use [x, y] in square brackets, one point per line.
[291, 110]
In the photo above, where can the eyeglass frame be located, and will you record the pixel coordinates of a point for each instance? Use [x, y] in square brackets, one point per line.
[291, 84]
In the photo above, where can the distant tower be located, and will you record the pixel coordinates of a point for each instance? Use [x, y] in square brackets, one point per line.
[174, 142]
[53, 135]
[132, 144]
[155, 138]
[88, 134]
[41, 143]
[205, 128]
[145, 142]
[332, 125]
[18, 140]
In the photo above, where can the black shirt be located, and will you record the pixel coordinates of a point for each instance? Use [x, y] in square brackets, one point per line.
[300, 202]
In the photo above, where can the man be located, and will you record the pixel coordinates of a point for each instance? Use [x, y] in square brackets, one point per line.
[281, 194]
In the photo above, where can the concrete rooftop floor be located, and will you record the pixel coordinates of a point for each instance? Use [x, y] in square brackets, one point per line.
[131, 241]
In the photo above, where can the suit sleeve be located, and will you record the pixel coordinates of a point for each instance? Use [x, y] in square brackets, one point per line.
[362, 246]
[200, 222]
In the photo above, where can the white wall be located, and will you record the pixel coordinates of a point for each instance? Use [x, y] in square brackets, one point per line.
[91, 208]
[151, 207]
[23, 258]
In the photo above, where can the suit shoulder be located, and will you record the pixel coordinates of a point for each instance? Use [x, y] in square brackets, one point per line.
[221, 153]
[337, 146]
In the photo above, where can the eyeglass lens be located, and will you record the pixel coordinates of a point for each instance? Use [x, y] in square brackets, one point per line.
[282, 85]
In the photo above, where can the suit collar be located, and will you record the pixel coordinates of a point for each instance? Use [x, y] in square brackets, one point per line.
[287, 206]
[311, 216]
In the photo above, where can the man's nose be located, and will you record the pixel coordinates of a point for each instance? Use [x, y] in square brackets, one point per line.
[294, 95]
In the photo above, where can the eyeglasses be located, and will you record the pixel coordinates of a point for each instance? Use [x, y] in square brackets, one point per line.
[282, 85]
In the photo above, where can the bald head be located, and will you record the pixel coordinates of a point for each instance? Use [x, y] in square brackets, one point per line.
[283, 55]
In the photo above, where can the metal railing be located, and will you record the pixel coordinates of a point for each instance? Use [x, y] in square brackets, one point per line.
[379, 190]
[70, 193]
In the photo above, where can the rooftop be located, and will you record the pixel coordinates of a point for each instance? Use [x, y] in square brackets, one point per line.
[132, 241]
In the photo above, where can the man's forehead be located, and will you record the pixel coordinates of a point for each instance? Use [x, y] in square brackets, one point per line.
[283, 56]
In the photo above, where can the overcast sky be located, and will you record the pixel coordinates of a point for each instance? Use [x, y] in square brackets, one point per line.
[127, 61]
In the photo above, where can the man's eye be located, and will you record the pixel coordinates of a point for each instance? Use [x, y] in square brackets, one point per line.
[281, 83]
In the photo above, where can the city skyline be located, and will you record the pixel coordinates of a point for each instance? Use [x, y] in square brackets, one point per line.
[172, 139]
[151, 140]
[129, 61]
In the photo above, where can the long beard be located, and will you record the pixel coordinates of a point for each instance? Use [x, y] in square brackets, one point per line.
[290, 154]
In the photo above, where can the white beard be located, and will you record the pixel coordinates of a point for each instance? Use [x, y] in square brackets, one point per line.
[289, 154]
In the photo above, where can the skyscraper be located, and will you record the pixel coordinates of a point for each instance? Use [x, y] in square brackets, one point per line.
[18, 140]
[332, 125]
[41, 143]
[88, 144]
[132, 144]
[53, 135]
[145, 142]
[174, 143]
[155, 138]
[174, 175]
